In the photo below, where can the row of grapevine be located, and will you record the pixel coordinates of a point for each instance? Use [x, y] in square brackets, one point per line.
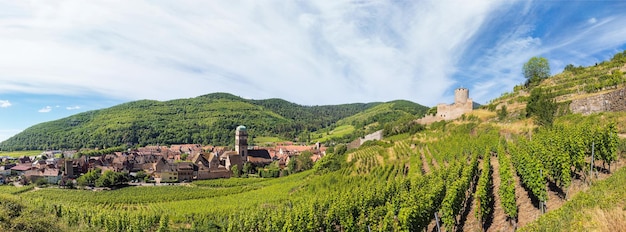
[424, 200]
[403, 151]
[366, 159]
[507, 185]
[484, 192]
[606, 141]
[529, 169]
[550, 146]
[456, 194]
[554, 153]
[429, 157]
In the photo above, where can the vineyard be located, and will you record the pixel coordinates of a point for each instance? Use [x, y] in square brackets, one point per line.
[412, 184]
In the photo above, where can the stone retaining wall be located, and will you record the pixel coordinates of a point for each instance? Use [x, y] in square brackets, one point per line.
[612, 101]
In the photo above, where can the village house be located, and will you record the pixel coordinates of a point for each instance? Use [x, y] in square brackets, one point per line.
[185, 171]
[259, 158]
[24, 159]
[5, 170]
[52, 176]
[231, 159]
[161, 163]
[208, 166]
[21, 168]
[162, 171]
[190, 149]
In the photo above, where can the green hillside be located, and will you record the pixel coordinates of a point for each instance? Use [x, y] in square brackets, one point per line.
[370, 120]
[209, 119]
[573, 83]
[383, 113]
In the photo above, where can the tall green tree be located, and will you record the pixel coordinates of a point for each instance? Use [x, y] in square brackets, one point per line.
[303, 161]
[502, 113]
[535, 70]
[542, 106]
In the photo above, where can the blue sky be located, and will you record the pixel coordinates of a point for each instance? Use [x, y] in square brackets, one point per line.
[59, 58]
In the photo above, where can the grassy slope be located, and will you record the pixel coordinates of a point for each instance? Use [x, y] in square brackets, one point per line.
[572, 84]
[397, 109]
[267, 139]
[369, 120]
[20, 153]
[335, 133]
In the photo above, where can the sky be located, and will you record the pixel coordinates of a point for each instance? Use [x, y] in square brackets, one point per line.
[59, 58]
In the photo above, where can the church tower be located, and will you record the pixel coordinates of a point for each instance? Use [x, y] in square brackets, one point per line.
[241, 142]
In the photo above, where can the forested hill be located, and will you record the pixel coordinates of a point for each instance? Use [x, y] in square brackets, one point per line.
[208, 119]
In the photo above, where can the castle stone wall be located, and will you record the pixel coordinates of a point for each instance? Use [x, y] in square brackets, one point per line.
[462, 105]
[378, 135]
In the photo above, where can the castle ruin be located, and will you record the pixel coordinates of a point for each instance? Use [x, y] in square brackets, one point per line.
[462, 105]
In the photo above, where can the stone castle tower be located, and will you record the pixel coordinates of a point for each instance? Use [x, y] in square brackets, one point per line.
[461, 95]
[241, 142]
[462, 104]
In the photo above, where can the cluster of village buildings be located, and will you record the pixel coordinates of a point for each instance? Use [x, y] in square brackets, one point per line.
[176, 163]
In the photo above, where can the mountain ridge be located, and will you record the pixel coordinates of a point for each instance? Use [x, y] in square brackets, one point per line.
[206, 119]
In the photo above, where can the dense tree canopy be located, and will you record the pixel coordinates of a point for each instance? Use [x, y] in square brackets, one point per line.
[535, 70]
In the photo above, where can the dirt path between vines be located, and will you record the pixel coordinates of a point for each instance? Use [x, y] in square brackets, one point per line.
[528, 209]
[498, 221]
[468, 220]
[425, 166]
[435, 164]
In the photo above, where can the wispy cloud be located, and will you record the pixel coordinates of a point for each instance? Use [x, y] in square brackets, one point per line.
[349, 51]
[496, 68]
[353, 51]
[72, 107]
[5, 103]
[46, 109]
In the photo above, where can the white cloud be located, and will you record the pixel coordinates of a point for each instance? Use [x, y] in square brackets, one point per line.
[310, 52]
[5, 103]
[46, 109]
[351, 51]
[72, 107]
[498, 68]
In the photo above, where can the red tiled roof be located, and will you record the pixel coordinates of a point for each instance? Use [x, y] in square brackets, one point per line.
[295, 148]
[51, 172]
[22, 167]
